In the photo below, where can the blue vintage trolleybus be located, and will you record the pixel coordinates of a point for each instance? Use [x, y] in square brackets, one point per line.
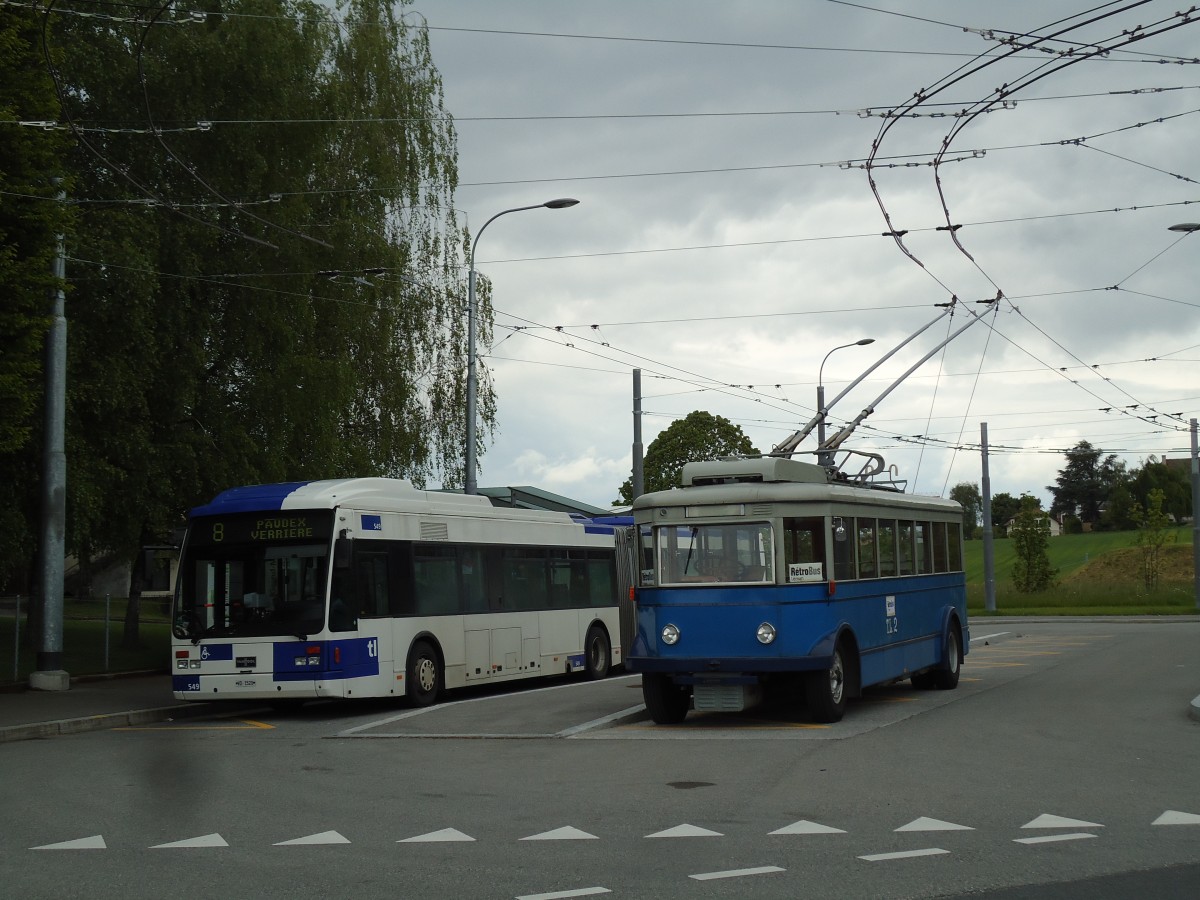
[772, 570]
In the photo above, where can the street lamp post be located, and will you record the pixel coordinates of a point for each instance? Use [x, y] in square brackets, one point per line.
[470, 485]
[825, 457]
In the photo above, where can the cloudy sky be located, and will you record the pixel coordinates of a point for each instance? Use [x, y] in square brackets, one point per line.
[728, 237]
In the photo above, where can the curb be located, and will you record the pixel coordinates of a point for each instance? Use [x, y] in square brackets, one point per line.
[82, 724]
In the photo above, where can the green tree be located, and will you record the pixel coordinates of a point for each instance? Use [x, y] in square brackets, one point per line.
[1119, 514]
[698, 436]
[1153, 534]
[1085, 482]
[289, 305]
[1004, 508]
[30, 219]
[1030, 534]
[1173, 481]
[970, 499]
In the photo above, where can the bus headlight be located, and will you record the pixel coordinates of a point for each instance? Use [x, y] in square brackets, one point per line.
[670, 635]
[765, 633]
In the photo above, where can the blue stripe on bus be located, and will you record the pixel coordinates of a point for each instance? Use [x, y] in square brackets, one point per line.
[266, 497]
[339, 659]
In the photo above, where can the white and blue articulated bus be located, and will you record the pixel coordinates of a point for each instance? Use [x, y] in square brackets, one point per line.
[774, 573]
[369, 587]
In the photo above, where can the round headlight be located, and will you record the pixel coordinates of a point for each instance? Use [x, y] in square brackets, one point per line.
[765, 633]
[670, 634]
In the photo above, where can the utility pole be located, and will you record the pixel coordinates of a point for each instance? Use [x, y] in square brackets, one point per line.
[989, 555]
[1195, 516]
[49, 674]
[638, 480]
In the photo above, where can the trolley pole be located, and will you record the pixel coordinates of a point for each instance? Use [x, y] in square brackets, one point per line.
[989, 555]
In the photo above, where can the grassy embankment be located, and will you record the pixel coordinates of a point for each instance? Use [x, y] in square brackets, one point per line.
[1098, 574]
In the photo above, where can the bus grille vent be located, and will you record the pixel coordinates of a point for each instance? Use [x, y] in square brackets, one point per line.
[435, 531]
[762, 509]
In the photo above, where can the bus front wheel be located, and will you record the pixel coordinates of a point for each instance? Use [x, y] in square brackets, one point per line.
[666, 701]
[424, 677]
[597, 653]
[826, 690]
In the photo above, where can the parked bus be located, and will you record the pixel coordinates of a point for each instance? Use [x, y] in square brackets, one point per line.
[776, 573]
[368, 587]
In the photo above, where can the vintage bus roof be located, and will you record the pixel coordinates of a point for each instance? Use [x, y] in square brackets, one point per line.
[777, 480]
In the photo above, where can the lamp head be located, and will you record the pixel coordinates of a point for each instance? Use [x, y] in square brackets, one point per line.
[561, 203]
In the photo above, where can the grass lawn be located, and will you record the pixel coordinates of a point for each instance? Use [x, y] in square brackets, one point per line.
[84, 636]
[1098, 574]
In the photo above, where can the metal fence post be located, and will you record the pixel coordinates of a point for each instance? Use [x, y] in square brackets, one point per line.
[107, 604]
[17, 641]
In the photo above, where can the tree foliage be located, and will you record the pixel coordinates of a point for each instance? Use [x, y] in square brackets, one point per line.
[30, 158]
[1153, 534]
[267, 265]
[969, 497]
[1085, 482]
[1004, 508]
[1030, 534]
[698, 436]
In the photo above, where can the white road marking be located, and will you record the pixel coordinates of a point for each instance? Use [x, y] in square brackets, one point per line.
[434, 837]
[1174, 817]
[207, 840]
[95, 842]
[561, 895]
[325, 837]
[806, 827]
[926, 824]
[1052, 838]
[736, 873]
[904, 854]
[988, 637]
[598, 723]
[1045, 820]
[566, 833]
[685, 830]
[408, 714]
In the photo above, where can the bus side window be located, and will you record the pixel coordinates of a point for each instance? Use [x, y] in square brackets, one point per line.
[845, 531]
[940, 561]
[924, 540]
[867, 550]
[371, 582]
[803, 542]
[887, 548]
[905, 533]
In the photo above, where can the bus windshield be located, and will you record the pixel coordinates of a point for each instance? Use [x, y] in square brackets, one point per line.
[253, 577]
[729, 553]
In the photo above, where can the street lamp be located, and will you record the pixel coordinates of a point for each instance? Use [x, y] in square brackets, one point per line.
[825, 457]
[1187, 227]
[470, 486]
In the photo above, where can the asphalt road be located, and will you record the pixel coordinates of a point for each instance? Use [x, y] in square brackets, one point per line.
[1064, 766]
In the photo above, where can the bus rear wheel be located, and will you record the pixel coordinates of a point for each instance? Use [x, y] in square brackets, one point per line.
[944, 677]
[597, 653]
[666, 701]
[424, 676]
[826, 690]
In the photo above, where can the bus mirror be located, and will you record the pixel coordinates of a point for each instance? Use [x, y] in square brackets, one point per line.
[342, 548]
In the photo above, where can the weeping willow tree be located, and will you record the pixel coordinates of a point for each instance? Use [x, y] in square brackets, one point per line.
[267, 269]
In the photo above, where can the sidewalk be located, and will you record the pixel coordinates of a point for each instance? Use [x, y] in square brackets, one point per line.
[93, 704]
